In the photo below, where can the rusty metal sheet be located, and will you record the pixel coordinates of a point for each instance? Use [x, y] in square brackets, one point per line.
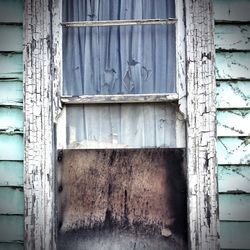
[121, 199]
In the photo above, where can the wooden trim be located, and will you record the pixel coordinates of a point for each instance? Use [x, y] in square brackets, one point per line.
[96, 99]
[201, 126]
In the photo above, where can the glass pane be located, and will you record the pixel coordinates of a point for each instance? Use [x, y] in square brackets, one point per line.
[118, 60]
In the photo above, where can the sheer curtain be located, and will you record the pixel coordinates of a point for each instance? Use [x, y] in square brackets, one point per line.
[118, 60]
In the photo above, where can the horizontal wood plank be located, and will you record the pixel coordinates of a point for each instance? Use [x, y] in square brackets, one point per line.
[11, 246]
[11, 147]
[11, 38]
[233, 179]
[11, 11]
[233, 150]
[232, 37]
[232, 10]
[11, 92]
[233, 94]
[12, 200]
[11, 118]
[11, 173]
[234, 207]
[235, 235]
[233, 122]
[11, 228]
[11, 65]
[232, 65]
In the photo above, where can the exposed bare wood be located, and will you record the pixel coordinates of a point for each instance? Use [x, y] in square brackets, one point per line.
[88, 99]
[119, 22]
[38, 185]
[201, 159]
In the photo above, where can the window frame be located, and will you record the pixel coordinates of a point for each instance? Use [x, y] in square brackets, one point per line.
[43, 108]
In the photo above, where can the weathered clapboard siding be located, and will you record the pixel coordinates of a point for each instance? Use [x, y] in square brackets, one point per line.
[235, 235]
[11, 200]
[11, 173]
[11, 147]
[11, 11]
[234, 179]
[234, 207]
[11, 246]
[232, 65]
[11, 118]
[232, 10]
[11, 38]
[11, 228]
[233, 94]
[11, 65]
[13, 92]
[233, 122]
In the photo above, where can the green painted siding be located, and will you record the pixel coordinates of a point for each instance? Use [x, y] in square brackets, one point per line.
[232, 33]
[11, 125]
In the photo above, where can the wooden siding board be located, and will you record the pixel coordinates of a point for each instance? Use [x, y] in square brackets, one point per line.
[11, 65]
[234, 179]
[235, 235]
[233, 94]
[11, 38]
[11, 11]
[11, 246]
[11, 228]
[11, 118]
[11, 173]
[234, 207]
[233, 65]
[233, 150]
[11, 147]
[233, 123]
[11, 200]
[232, 37]
[232, 10]
[12, 92]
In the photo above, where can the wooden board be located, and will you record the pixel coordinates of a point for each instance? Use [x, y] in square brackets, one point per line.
[123, 192]
[232, 37]
[233, 123]
[11, 65]
[233, 94]
[233, 65]
[11, 11]
[235, 235]
[233, 179]
[232, 10]
[234, 207]
[11, 228]
[11, 173]
[11, 118]
[233, 150]
[11, 246]
[12, 200]
[12, 92]
[11, 38]
[11, 147]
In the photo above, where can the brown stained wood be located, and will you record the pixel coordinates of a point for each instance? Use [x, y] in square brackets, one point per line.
[126, 190]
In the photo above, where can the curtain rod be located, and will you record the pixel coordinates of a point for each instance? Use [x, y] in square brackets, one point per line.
[119, 22]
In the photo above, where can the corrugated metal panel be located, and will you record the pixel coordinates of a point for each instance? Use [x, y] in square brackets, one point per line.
[11, 173]
[233, 94]
[232, 10]
[232, 65]
[11, 200]
[11, 228]
[11, 38]
[234, 179]
[235, 235]
[232, 37]
[121, 125]
[11, 11]
[234, 207]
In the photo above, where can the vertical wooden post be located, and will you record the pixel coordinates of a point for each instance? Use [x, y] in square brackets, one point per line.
[201, 132]
[39, 155]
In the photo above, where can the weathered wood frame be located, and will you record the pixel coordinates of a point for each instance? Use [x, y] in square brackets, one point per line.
[42, 78]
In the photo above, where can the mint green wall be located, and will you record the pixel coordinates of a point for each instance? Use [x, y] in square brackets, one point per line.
[11, 126]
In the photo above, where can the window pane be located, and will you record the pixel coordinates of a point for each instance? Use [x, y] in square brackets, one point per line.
[118, 60]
